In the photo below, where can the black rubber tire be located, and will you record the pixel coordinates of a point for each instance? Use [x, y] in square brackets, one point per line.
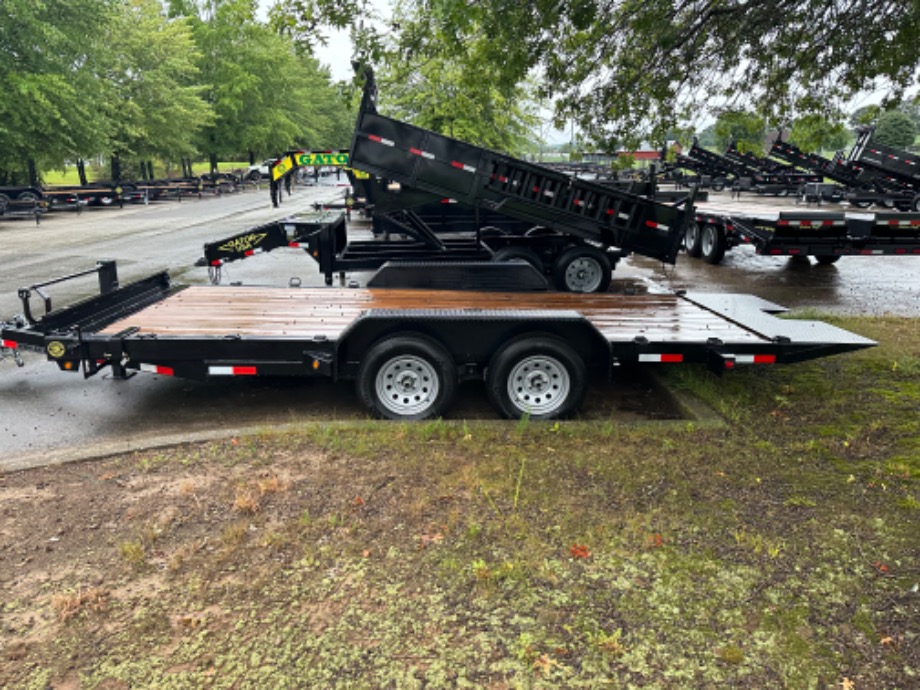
[693, 239]
[827, 260]
[717, 185]
[538, 376]
[523, 253]
[712, 244]
[582, 269]
[915, 204]
[27, 196]
[862, 204]
[427, 384]
[4, 200]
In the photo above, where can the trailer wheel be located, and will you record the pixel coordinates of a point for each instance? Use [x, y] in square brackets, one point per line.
[582, 269]
[407, 378]
[537, 376]
[519, 253]
[692, 240]
[27, 196]
[717, 185]
[827, 260]
[915, 204]
[712, 244]
[4, 200]
[862, 204]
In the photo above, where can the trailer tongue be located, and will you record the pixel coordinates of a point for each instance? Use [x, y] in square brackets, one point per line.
[407, 349]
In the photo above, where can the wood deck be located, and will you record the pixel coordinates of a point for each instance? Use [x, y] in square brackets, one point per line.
[309, 312]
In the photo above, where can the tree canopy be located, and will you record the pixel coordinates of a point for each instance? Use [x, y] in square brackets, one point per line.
[630, 68]
[145, 80]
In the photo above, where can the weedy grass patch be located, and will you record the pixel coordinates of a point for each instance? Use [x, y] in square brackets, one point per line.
[777, 550]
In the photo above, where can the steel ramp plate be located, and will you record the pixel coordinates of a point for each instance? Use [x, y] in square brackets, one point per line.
[756, 314]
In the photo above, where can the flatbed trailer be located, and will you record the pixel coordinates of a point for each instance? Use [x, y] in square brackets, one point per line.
[407, 349]
[826, 236]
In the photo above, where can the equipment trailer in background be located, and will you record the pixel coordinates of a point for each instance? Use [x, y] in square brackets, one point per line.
[407, 349]
[825, 235]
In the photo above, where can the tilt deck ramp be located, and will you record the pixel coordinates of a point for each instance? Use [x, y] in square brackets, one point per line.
[424, 160]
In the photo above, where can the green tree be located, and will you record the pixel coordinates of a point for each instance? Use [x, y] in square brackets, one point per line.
[155, 105]
[462, 104]
[895, 129]
[815, 133]
[744, 128]
[52, 105]
[267, 96]
[629, 67]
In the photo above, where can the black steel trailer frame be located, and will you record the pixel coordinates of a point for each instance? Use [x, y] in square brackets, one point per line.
[407, 349]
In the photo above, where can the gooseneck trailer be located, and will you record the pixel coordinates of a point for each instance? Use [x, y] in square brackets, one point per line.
[407, 349]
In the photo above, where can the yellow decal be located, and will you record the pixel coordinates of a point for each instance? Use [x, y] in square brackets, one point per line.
[360, 174]
[282, 167]
[56, 349]
[340, 158]
[244, 243]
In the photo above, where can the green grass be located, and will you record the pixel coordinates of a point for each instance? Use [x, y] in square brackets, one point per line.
[69, 176]
[779, 550]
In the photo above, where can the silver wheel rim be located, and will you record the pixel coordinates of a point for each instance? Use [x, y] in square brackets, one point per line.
[539, 385]
[584, 274]
[407, 385]
[693, 235]
[709, 239]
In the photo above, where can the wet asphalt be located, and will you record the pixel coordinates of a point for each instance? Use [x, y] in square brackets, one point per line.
[52, 416]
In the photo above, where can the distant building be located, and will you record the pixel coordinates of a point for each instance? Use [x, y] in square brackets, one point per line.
[645, 154]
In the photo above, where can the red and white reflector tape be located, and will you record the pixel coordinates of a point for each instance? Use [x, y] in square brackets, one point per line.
[155, 369]
[232, 371]
[252, 252]
[754, 359]
[381, 140]
[662, 358]
[463, 166]
[657, 226]
[423, 154]
[8, 344]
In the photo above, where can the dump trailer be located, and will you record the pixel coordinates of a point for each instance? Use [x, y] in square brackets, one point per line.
[826, 236]
[771, 176]
[900, 170]
[862, 182]
[406, 349]
[572, 231]
[590, 215]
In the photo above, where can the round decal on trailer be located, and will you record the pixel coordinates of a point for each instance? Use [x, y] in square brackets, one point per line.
[56, 349]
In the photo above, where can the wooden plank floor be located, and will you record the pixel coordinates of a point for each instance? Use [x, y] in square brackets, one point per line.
[309, 312]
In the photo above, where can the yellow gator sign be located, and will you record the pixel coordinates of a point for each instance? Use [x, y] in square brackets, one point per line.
[325, 158]
[303, 159]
